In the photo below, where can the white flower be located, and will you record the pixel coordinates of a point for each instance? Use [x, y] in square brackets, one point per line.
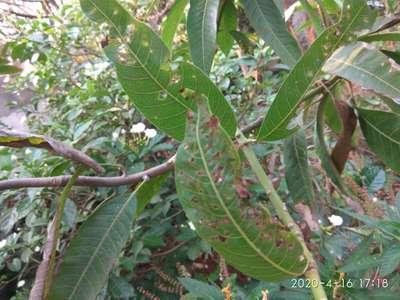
[14, 157]
[191, 226]
[115, 135]
[335, 220]
[28, 152]
[21, 283]
[138, 128]
[123, 131]
[37, 249]
[150, 133]
[375, 199]
[3, 243]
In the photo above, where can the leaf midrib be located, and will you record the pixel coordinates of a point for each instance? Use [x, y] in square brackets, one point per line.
[339, 41]
[99, 246]
[222, 203]
[137, 59]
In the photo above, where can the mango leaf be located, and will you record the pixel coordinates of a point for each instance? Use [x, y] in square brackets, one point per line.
[322, 149]
[367, 67]
[381, 130]
[395, 55]
[297, 173]
[202, 32]
[93, 251]
[356, 15]
[267, 20]
[208, 176]
[372, 294]
[172, 21]
[202, 290]
[156, 87]
[378, 37]
[21, 140]
[8, 69]
[227, 24]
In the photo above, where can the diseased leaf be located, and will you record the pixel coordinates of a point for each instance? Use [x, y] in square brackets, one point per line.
[172, 21]
[382, 132]
[93, 251]
[156, 87]
[297, 173]
[356, 15]
[208, 181]
[202, 32]
[21, 140]
[227, 24]
[367, 67]
[266, 19]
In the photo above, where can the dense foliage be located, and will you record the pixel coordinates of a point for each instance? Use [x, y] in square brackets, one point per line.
[233, 150]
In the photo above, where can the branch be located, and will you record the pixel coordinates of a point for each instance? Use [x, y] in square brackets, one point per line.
[95, 181]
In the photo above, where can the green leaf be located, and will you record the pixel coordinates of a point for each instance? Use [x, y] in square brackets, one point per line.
[172, 21]
[367, 67]
[266, 19]
[156, 87]
[322, 149]
[391, 260]
[277, 125]
[381, 130]
[378, 37]
[332, 117]
[208, 181]
[227, 24]
[395, 55]
[202, 32]
[372, 294]
[93, 251]
[297, 173]
[7, 69]
[203, 290]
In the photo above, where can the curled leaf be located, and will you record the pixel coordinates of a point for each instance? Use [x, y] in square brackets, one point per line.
[21, 140]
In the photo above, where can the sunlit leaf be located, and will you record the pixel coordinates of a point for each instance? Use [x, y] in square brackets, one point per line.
[208, 176]
[367, 67]
[172, 21]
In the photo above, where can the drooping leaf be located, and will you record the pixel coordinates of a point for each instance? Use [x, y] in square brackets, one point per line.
[208, 176]
[7, 69]
[367, 67]
[227, 24]
[381, 130]
[296, 168]
[202, 32]
[172, 21]
[267, 20]
[202, 290]
[332, 117]
[22, 140]
[356, 15]
[155, 86]
[93, 251]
